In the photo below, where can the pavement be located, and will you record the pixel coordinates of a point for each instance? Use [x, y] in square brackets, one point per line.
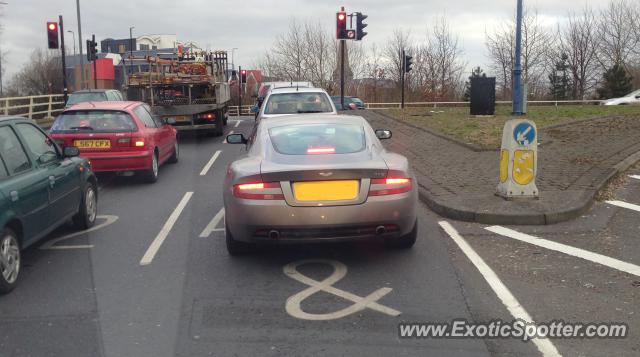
[575, 161]
[92, 295]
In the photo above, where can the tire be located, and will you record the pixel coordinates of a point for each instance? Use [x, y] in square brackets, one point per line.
[176, 154]
[151, 175]
[225, 117]
[234, 247]
[219, 130]
[10, 260]
[404, 242]
[88, 210]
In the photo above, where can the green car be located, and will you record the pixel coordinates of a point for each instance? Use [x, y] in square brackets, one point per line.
[41, 188]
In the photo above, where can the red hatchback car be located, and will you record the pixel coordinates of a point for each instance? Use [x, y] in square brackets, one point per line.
[118, 137]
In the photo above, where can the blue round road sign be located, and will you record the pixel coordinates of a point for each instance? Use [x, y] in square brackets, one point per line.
[524, 134]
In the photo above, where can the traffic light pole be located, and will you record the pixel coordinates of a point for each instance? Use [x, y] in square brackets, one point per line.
[342, 46]
[95, 65]
[402, 74]
[65, 91]
[239, 90]
[517, 96]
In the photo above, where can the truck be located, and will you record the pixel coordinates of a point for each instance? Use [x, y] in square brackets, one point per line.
[190, 92]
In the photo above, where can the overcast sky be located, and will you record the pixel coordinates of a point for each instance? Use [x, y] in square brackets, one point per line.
[252, 25]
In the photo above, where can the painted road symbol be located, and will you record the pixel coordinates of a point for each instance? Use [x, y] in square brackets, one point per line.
[524, 134]
[51, 245]
[340, 271]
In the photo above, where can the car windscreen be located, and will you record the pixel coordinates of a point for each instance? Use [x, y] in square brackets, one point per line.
[101, 121]
[313, 139]
[76, 98]
[295, 103]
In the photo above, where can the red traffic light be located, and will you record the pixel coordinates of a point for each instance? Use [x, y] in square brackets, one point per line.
[244, 71]
[52, 26]
[341, 16]
[52, 35]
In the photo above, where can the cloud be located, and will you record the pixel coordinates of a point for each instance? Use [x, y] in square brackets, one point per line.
[253, 25]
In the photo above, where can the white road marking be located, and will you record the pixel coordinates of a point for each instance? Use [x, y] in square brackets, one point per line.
[626, 205]
[340, 270]
[164, 232]
[207, 167]
[51, 245]
[238, 123]
[225, 139]
[566, 249]
[636, 177]
[545, 346]
[211, 227]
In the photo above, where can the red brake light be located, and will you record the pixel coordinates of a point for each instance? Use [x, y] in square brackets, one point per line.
[390, 186]
[327, 150]
[259, 191]
[138, 143]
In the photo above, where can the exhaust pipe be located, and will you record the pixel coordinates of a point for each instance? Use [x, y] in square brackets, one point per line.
[380, 230]
[274, 234]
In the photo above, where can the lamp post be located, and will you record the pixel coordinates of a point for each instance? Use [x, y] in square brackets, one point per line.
[1, 3]
[233, 53]
[80, 45]
[517, 97]
[74, 42]
[130, 48]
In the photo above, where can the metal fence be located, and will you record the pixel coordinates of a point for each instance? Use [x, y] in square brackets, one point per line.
[383, 106]
[244, 110]
[39, 107]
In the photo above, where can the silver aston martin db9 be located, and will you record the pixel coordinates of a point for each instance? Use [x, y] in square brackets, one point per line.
[318, 178]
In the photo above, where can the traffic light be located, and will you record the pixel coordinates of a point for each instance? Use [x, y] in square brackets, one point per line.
[243, 76]
[52, 35]
[360, 25]
[341, 25]
[407, 63]
[92, 50]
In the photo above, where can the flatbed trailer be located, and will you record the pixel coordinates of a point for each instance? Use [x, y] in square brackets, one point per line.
[192, 93]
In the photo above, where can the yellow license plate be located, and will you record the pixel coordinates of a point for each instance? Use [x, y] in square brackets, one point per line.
[92, 144]
[182, 118]
[326, 190]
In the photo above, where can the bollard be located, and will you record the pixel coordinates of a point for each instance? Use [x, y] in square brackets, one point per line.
[519, 160]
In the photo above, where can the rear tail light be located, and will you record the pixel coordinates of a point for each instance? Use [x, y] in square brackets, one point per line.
[390, 186]
[207, 116]
[131, 142]
[259, 191]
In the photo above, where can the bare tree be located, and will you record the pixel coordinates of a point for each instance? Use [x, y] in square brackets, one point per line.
[617, 40]
[374, 70]
[439, 64]
[39, 76]
[536, 41]
[579, 41]
[398, 41]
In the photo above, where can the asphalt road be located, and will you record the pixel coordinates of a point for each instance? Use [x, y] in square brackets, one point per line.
[110, 292]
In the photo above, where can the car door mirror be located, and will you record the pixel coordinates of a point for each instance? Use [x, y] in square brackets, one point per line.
[637, 96]
[255, 109]
[384, 134]
[71, 151]
[170, 121]
[236, 139]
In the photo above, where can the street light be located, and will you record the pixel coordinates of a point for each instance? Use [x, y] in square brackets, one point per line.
[74, 42]
[233, 52]
[1, 3]
[517, 97]
[130, 48]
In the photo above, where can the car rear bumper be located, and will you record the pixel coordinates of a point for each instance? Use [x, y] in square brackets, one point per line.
[195, 127]
[119, 161]
[255, 221]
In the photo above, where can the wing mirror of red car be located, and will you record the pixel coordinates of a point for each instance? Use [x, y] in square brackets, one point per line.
[236, 139]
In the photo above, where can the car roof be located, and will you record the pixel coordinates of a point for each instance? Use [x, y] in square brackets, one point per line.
[297, 90]
[295, 119]
[93, 91]
[110, 105]
[6, 118]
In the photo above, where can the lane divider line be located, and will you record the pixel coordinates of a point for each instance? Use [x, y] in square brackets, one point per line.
[636, 177]
[209, 164]
[567, 249]
[164, 232]
[225, 139]
[238, 123]
[626, 205]
[545, 346]
[211, 227]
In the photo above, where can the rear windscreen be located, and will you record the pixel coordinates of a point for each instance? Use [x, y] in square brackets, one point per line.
[314, 139]
[295, 103]
[86, 97]
[94, 121]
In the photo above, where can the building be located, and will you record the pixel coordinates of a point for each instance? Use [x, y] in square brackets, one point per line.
[140, 43]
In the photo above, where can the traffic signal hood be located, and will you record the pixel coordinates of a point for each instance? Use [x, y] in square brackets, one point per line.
[407, 63]
[52, 35]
